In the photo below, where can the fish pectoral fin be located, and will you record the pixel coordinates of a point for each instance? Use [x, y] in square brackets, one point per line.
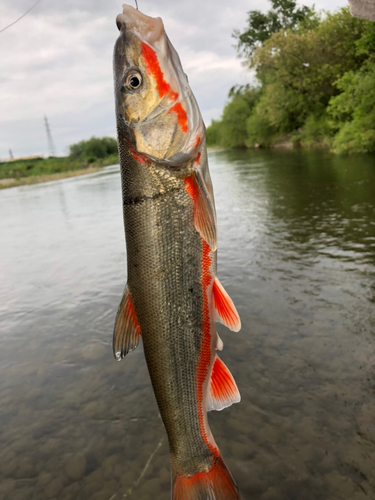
[223, 390]
[127, 330]
[204, 211]
[225, 311]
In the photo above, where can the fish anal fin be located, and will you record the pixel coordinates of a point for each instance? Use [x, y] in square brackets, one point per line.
[204, 210]
[223, 390]
[127, 330]
[225, 311]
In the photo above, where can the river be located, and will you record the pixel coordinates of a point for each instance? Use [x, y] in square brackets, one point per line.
[296, 254]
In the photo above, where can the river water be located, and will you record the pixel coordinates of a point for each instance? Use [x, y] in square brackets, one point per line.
[296, 254]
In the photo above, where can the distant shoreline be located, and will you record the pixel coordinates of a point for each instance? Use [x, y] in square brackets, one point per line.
[37, 179]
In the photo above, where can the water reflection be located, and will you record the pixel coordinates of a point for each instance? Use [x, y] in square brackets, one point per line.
[296, 253]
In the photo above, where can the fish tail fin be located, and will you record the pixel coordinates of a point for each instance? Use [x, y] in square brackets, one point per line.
[217, 484]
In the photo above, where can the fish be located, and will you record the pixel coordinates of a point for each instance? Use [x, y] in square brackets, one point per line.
[173, 296]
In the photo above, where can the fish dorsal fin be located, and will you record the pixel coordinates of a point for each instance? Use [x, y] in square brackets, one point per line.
[204, 210]
[127, 330]
[223, 390]
[225, 311]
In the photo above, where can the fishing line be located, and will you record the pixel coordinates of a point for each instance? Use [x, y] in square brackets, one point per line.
[19, 19]
[136, 3]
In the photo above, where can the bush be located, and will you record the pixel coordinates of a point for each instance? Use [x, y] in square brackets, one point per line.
[231, 130]
[213, 133]
[353, 111]
[259, 131]
[94, 148]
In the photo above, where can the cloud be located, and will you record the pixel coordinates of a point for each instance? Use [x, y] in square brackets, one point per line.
[58, 61]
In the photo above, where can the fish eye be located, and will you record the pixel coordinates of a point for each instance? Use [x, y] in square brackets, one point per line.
[133, 80]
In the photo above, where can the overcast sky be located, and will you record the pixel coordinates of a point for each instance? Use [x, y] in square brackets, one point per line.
[57, 61]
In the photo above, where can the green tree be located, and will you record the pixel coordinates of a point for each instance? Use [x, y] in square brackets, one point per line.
[283, 15]
[94, 148]
[231, 130]
[213, 133]
[298, 71]
[353, 111]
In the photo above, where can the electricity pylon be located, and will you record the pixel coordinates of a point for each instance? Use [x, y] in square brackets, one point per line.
[51, 145]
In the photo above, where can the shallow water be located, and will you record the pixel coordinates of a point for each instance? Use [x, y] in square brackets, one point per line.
[297, 255]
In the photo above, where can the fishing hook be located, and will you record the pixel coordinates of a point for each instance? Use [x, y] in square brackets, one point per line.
[136, 3]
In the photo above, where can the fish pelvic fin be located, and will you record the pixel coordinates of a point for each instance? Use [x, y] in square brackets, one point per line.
[127, 330]
[225, 311]
[222, 390]
[216, 484]
[204, 210]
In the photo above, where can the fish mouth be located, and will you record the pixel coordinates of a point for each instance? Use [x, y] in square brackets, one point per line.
[149, 29]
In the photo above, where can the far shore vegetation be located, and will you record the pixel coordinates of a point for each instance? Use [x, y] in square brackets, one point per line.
[84, 157]
[313, 86]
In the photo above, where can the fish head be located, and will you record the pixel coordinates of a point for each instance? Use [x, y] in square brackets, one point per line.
[153, 97]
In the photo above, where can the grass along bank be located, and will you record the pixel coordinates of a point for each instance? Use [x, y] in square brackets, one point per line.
[25, 172]
[85, 157]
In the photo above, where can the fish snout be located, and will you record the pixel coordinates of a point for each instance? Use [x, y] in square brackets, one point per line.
[146, 28]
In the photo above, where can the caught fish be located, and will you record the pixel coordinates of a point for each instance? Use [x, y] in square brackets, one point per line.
[173, 297]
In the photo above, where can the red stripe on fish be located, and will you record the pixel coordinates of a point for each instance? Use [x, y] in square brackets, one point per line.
[204, 361]
[198, 158]
[153, 68]
[137, 156]
[181, 116]
[191, 187]
[197, 142]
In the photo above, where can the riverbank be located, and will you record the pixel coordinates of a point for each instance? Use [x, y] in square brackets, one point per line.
[36, 179]
[37, 170]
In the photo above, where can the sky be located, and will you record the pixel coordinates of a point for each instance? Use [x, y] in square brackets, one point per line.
[57, 61]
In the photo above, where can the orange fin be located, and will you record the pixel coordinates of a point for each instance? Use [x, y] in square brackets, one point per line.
[204, 210]
[225, 311]
[216, 484]
[127, 330]
[223, 390]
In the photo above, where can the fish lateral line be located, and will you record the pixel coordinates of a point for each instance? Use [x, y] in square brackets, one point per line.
[141, 199]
